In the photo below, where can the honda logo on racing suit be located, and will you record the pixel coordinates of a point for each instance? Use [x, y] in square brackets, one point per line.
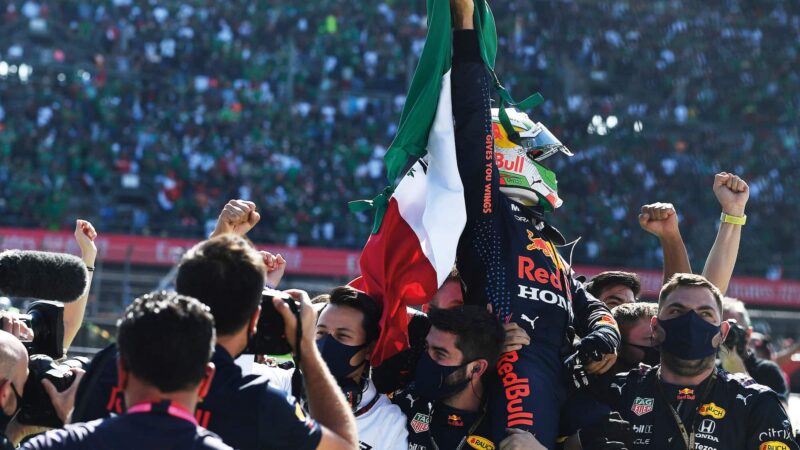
[707, 426]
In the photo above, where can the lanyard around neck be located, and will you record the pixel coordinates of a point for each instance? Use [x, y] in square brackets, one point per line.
[164, 407]
[688, 436]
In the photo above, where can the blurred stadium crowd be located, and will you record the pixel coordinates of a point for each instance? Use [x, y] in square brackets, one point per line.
[154, 113]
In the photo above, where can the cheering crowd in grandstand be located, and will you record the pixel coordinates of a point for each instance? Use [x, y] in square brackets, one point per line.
[515, 350]
[191, 99]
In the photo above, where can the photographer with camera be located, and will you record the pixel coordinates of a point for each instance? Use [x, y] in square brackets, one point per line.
[165, 342]
[736, 357]
[228, 274]
[61, 279]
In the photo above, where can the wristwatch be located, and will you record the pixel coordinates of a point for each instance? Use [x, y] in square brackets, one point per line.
[735, 220]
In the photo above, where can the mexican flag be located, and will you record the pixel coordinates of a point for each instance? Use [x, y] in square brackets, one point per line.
[420, 216]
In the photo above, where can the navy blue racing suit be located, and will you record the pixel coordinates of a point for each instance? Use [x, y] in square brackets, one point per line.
[507, 258]
[733, 413]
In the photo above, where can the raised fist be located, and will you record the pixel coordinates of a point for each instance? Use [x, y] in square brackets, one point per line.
[276, 266]
[732, 193]
[237, 217]
[85, 235]
[660, 219]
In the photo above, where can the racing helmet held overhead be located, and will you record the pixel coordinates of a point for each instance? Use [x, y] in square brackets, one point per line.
[518, 157]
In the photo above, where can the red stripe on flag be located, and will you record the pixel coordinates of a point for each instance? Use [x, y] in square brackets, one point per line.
[395, 272]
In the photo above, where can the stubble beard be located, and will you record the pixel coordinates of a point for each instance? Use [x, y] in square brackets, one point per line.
[687, 367]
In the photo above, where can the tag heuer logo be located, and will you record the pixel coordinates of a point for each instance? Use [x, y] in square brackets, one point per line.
[421, 422]
[642, 406]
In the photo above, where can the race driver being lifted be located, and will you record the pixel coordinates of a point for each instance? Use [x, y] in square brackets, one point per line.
[507, 254]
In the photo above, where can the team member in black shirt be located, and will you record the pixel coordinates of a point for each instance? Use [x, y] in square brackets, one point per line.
[446, 404]
[165, 343]
[686, 401]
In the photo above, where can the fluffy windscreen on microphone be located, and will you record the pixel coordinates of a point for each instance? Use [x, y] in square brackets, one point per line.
[42, 275]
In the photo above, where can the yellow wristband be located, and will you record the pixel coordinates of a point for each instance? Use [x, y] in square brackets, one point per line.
[734, 220]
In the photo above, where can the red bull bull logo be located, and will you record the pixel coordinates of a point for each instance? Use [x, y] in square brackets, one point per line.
[686, 394]
[455, 420]
[542, 246]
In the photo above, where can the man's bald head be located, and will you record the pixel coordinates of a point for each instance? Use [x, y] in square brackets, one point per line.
[13, 359]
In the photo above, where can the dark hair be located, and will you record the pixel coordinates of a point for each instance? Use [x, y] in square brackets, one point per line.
[166, 340]
[630, 313]
[689, 280]
[353, 298]
[320, 299]
[479, 335]
[604, 280]
[227, 274]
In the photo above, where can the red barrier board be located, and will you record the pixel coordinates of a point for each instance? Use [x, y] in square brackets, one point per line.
[167, 251]
[340, 263]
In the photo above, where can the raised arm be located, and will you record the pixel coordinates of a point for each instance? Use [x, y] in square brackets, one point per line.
[472, 117]
[732, 193]
[85, 235]
[661, 220]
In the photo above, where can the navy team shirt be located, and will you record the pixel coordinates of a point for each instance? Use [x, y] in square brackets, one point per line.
[245, 410]
[155, 429]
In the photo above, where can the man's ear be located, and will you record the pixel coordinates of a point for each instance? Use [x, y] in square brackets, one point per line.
[251, 326]
[656, 332]
[724, 328]
[122, 374]
[748, 333]
[477, 369]
[205, 383]
[5, 392]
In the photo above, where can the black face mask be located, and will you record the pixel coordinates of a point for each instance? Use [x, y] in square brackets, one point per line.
[651, 357]
[689, 337]
[337, 356]
[430, 379]
[5, 418]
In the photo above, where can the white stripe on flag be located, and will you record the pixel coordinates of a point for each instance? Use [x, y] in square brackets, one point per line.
[433, 204]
